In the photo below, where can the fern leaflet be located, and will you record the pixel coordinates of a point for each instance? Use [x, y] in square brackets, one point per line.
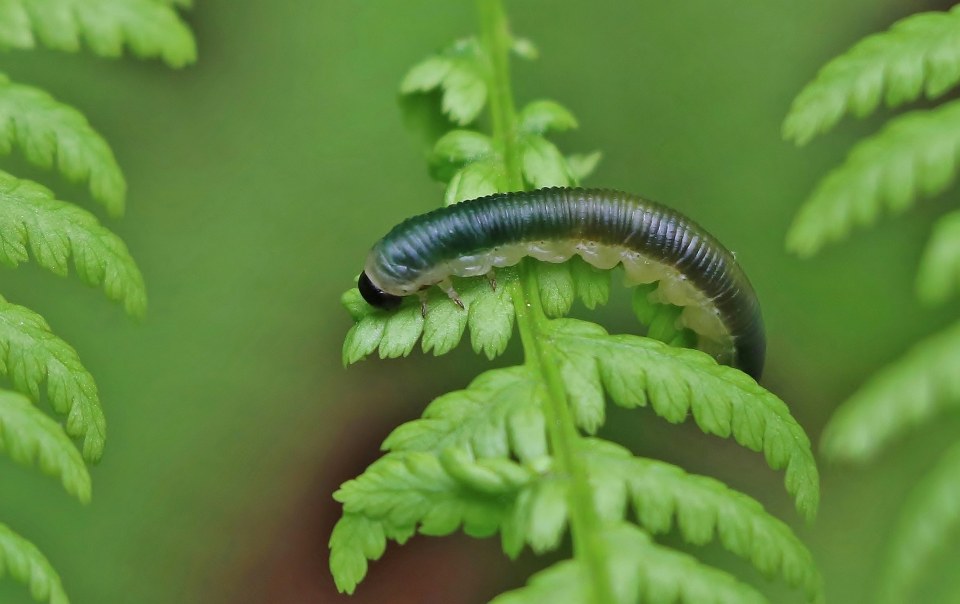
[33, 223]
[907, 393]
[638, 571]
[147, 27]
[28, 436]
[50, 133]
[914, 156]
[919, 55]
[23, 561]
[939, 275]
[31, 355]
[925, 529]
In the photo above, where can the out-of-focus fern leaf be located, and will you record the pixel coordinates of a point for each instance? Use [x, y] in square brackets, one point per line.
[582, 165]
[30, 355]
[703, 509]
[23, 561]
[903, 395]
[457, 72]
[147, 27]
[30, 437]
[476, 179]
[939, 276]
[918, 55]
[679, 381]
[33, 223]
[638, 570]
[926, 528]
[539, 117]
[914, 156]
[51, 134]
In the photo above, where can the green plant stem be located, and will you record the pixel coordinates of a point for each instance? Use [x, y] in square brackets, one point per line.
[533, 324]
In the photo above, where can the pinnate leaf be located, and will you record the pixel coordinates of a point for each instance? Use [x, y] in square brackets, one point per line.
[458, 74]
[30, 355]
[30, 437]
[540, 117]
[909, 392]
[914, 156]
[50, 134]
[919, 55]
[22, 561]
[147, 27]
[939, 275]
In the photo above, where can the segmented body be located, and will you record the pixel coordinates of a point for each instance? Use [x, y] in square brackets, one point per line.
[604, 227]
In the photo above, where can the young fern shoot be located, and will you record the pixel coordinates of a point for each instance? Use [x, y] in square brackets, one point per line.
[914, 156]
[514, 453]
[59, 236]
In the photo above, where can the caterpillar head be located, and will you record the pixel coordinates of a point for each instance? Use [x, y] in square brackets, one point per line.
[375, 296]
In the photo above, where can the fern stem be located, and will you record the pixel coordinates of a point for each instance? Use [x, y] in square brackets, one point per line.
[532, 322]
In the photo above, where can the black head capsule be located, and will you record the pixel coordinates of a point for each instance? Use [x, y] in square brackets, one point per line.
[375, 296]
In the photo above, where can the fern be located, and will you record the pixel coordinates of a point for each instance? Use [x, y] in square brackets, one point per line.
[914, 156]
[512, 453]
[35, 225]
[50, 133]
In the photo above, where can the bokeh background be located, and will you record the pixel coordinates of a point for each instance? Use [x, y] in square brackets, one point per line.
[260, 177]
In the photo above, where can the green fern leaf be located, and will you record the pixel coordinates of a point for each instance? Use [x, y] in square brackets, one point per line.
[924, 530]
[582, 165]
[678, 381]
[939, 276]
[543, 164]
[455, 150]
[918, 55]
[540, 117]
[638, 570]
[458, 74]
[703, 509]
[498, 415]
[476, 179]
[33, 223]
[50, 133]
[30, 354]
[147, 27]
[23, 561]
[911, 391]
[913, 156]
[28, 436]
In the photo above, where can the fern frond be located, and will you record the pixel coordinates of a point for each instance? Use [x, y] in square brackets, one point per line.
[677, 382]
[30, 437]
[30, 355]
[912, 390]
[498, 415]
[914, 156]
[926, 528]
[458, 74]
[703, 509]
[34, 223]
[50, 134]
[147, 27]
[638, 570]
[939, 275]
[23, 561]
[919, 55]
[402, 492]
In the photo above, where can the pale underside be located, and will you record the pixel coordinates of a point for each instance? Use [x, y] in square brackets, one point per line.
[699, 314]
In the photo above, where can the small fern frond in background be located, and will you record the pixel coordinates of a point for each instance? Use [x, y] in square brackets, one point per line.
[150, 29]
[914, 156]
[925, 529]
[911, 391]
[51, 134]
[35, 225]
[919, 55]
[21, 560]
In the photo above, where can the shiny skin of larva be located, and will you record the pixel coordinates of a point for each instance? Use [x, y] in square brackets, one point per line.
[604, 227]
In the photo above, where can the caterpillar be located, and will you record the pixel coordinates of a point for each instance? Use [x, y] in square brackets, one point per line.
[605, 228]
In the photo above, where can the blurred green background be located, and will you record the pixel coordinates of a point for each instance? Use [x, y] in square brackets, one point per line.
[260, 177]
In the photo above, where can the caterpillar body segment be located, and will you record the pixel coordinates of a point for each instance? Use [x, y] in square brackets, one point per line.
[604, 227]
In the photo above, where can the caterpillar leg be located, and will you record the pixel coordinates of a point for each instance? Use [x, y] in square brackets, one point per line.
[447, 286]
[492, 278]
[423, 303]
